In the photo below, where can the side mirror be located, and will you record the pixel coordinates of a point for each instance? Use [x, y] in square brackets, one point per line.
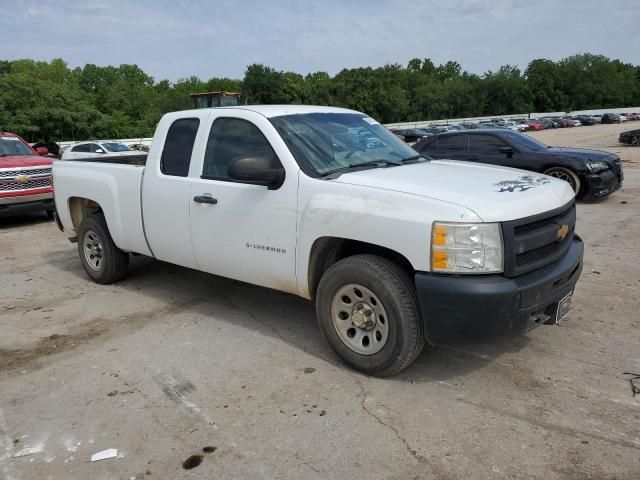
[42, 151]
[508, 151]
[99, 150]
[258, 171]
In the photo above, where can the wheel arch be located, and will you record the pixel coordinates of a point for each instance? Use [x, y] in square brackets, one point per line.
[80, 207]
[326, 251]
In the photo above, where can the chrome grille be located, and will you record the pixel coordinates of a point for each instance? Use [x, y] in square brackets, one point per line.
[25, 171]
[19, 179]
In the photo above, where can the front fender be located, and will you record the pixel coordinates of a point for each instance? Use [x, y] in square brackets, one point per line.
[397, 221]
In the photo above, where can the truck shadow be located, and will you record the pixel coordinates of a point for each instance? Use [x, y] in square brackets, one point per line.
[8, 220]
[279, 315]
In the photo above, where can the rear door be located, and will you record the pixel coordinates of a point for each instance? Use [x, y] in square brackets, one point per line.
[246, 232]
[166, 188]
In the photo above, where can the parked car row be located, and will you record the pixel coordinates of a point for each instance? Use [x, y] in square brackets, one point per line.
[411, 135]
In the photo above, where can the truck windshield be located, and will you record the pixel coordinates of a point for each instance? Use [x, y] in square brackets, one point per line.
[13, 146]
[326, 142]
[116, 147]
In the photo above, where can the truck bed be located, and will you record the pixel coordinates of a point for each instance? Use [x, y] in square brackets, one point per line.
[115, 184]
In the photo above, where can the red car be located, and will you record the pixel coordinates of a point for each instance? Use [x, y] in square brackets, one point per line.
[25, 177]
[565, 122]
[533, 125]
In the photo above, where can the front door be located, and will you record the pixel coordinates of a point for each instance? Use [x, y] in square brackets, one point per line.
[488, 148]
[238, 230]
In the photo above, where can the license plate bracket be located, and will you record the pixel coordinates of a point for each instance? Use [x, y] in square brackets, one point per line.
[564, 307]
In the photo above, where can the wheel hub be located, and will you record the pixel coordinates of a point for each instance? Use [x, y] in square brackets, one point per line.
[93, 250]
[363, 316]
[360, 319]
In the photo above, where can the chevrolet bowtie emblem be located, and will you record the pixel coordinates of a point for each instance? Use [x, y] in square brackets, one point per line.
[563, 231]
[22, 178]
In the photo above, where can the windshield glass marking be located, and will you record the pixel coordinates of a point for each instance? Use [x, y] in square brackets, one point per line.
[331, 142]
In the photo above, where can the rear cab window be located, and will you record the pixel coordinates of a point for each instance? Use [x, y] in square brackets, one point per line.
[178, 146]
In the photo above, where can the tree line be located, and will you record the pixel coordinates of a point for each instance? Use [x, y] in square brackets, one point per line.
[45, 101]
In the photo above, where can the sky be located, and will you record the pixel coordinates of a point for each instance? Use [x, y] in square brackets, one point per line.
[177, 39]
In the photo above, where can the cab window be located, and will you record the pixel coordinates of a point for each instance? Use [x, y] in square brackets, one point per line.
[176, 156]
[230, 139]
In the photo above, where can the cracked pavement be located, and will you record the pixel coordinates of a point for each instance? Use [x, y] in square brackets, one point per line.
[171, 360]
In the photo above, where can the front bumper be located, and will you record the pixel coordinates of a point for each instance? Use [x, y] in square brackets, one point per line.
[27, 204]
[603, 183]
[463, 308]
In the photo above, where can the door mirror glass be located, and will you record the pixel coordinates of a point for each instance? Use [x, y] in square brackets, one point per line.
[258, 171]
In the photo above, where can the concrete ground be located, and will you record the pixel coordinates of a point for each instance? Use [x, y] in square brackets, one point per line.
[171, 361]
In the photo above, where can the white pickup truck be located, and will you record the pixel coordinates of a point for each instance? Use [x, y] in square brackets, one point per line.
[395, 249]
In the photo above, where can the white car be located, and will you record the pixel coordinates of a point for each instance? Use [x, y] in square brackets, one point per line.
[623, 117]
[395, 249]
[95, 149]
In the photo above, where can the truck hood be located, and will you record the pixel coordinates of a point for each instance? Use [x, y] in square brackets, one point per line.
[493, 193]
[19, 161]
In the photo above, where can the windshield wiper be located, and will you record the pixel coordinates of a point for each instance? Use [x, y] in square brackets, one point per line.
[415, 157]
[376, 163]
[373, 163]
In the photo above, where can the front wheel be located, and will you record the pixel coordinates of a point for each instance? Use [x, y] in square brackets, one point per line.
[635, 141]
[567, 175]
[368, 312]
[103, 261]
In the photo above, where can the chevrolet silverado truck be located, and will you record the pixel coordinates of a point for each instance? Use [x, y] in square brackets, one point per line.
[25, 177]
[395, 249]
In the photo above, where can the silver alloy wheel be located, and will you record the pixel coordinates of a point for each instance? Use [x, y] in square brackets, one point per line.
[360, 319]
[635, 141]
[93, 251]
[565, 175]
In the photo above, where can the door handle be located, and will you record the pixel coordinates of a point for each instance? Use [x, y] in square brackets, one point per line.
[205, 199]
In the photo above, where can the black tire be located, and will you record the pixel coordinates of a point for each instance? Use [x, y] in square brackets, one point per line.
[567, 175]
[114, 263]
[397, 295]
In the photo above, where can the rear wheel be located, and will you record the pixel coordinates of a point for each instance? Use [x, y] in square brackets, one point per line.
[103, 261]
[567, 175]
[368, 312]
[635, 141]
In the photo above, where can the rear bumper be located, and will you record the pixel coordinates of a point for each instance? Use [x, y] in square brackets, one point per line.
[464, 308]
[602, 183]
[27, 203]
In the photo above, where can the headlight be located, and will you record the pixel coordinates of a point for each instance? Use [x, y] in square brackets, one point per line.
[597, 166]
[466, 248]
